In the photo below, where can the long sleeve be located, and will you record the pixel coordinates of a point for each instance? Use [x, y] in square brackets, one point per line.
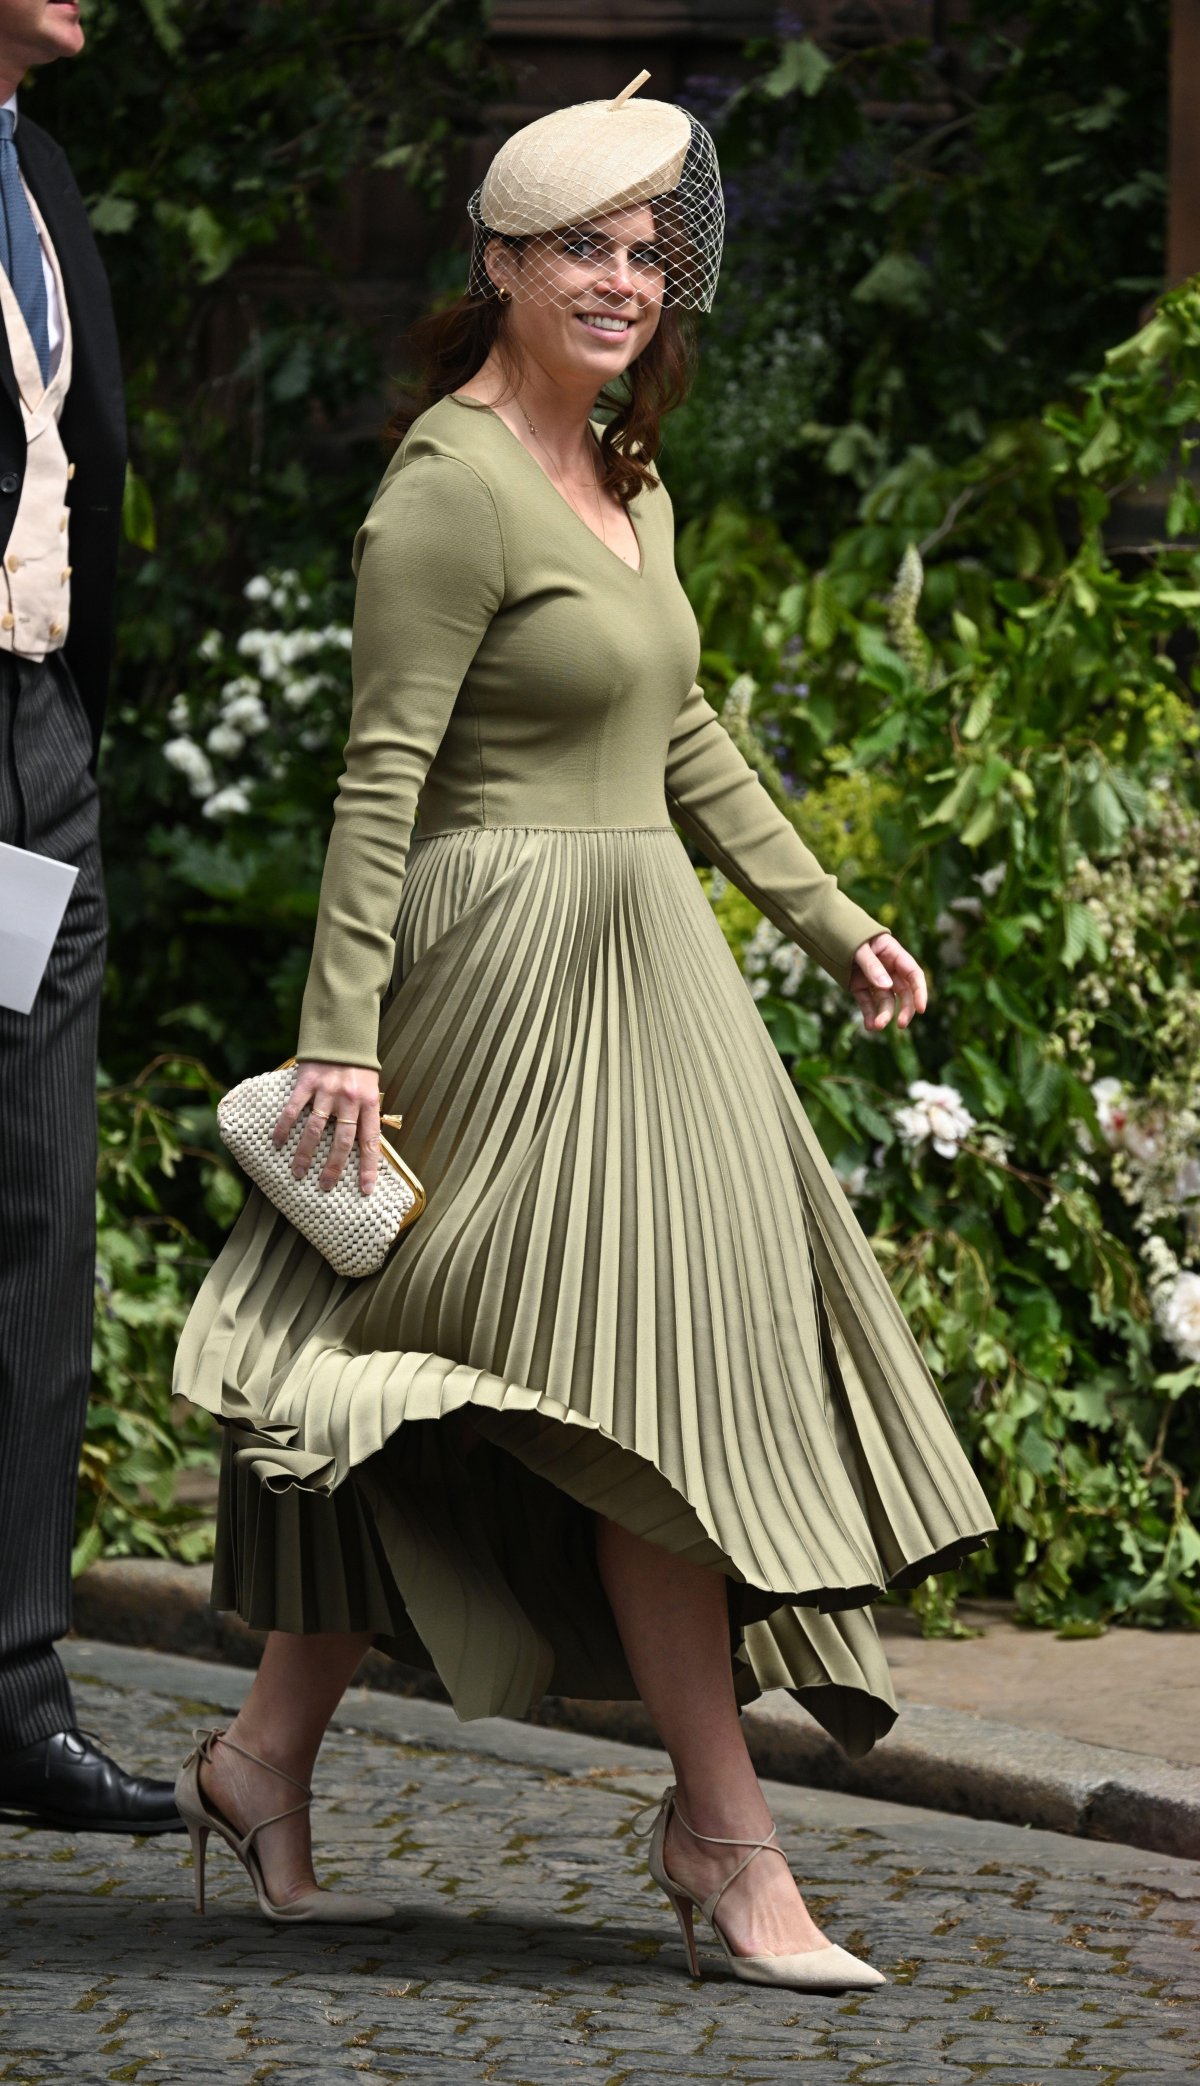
[430, 569]
[719, 801]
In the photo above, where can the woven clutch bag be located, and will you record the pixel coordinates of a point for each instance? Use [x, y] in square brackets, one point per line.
[354, 1232]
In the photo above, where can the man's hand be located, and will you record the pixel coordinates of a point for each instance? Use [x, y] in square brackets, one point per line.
[350, 1097]
[883, 973]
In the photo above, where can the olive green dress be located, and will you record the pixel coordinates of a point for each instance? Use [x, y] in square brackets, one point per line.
[637, 1275]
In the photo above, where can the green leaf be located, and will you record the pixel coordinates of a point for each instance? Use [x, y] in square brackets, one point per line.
[979, 714]
[897, 281]
[87, 1549]
[803, 67]
[161, 16]
[982, 824]
[112, 213]
[137, 512]
[1106, 443]
[1081, 935]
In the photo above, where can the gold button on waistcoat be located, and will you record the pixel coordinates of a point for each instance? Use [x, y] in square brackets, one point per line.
[6, 621]
[14, 563]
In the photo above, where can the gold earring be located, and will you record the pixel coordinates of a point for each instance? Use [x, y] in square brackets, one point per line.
[505, 296]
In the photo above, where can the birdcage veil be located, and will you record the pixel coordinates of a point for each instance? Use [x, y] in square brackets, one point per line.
[553, 192]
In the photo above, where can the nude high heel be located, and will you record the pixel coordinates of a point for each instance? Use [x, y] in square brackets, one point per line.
[828, 1969]
[202, 1818]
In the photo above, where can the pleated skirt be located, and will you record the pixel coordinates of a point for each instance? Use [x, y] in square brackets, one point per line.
[638, 1282]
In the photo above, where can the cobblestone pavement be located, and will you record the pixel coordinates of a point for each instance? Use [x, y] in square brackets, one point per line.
[530, 1948]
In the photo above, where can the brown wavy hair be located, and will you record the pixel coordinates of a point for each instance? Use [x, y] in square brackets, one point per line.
[450, 345]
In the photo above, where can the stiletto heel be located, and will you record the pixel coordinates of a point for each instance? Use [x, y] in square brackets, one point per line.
[202, 1818]
[198, 1835]
[828, 1969]
[682, 1908]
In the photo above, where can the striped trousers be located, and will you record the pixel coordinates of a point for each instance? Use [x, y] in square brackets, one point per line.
[48, 802]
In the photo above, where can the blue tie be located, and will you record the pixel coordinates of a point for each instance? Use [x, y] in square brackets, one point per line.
[20, 247]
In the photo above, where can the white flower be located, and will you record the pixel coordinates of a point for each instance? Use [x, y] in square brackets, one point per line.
[937, 1114]
[1160, 1261]
[191, 761]
[209, 647]
[791, 963]
[224, 739]
[247, 713]
[258, 588]
[1178, 1312]
[244, 684]
[1187, 1181]
[229, 802]
[299, 693]
[314, 741]
[990, 880]
[180, 713]
[1144, 1140]
[854, 1182]
[1111, 1102]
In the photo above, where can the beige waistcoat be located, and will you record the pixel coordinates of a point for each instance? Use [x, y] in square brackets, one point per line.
[35, 597]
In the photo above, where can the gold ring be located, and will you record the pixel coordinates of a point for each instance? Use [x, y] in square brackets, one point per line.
[319, 1115]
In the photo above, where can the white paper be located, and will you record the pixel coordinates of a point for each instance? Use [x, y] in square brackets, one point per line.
[33, 898]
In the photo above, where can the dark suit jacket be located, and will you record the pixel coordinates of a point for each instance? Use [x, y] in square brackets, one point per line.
[92, 424]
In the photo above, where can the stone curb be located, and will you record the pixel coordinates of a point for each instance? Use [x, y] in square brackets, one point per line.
[940, 1759]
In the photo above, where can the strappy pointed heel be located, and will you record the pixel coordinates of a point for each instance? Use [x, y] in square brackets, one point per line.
[828, 1969]
[202, 1818]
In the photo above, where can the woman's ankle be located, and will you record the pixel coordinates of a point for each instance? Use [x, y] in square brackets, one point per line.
[722, 1815]
[269, 1749]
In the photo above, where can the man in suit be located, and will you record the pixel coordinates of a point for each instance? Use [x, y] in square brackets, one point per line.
[62, 462]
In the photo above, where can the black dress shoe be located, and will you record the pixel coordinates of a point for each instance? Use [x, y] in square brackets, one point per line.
[67, 1784]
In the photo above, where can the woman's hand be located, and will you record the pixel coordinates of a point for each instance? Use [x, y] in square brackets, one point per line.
[883, 973]
[350, 1097]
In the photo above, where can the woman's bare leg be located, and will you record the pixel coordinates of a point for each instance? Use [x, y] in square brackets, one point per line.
[673, 1621]
[299, 1683]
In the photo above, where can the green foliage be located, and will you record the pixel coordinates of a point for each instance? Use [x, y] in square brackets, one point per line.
[891, 282]
[212, 142]
[975, 711]
[1019, 737]
[140, 1442]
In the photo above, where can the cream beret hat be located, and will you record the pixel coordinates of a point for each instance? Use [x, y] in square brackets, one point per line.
[578, 164]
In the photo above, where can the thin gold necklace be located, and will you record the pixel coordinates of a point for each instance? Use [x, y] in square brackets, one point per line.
[563, 483]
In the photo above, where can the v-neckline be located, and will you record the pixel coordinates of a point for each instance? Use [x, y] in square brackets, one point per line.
[479, 405]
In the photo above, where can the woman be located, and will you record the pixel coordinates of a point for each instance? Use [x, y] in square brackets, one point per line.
[630, 1409]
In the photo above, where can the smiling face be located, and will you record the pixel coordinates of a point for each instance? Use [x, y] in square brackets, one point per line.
[35, 32]
[587, 299]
